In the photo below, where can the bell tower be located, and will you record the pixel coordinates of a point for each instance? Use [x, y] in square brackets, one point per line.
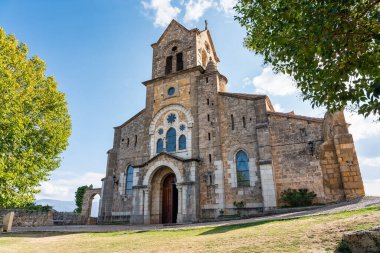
[179, 49]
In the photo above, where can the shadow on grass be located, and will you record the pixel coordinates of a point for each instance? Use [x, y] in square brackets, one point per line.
[228, 228]
[36, 234]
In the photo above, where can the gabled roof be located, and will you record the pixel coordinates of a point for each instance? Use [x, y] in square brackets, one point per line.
[212, 46]
[135, 116]
[169, 155]
[172, 23]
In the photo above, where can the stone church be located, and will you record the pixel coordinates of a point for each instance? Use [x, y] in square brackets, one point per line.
[197, 151]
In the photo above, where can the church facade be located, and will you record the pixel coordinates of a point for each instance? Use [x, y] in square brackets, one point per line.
[197, 151]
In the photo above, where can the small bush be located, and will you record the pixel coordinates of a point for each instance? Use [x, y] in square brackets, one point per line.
[300, 197]
[240, 204]
[343, 247]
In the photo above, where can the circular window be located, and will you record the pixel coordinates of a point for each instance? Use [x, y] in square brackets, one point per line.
[182, 127]
[171, 118]
[174, 49]
[160, 131]
[171, 91]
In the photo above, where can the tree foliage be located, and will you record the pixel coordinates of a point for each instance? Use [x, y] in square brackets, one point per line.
[330, 47]
[79, 197]
[34, 123]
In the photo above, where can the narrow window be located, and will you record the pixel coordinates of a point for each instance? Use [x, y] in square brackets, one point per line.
[209, 136]
[244, 122]
[208, 101]
[171, 140]
[179, 61]
[209, 158]
[168, 67]
[127, 142]
[182, 142]
[129, 180]
[206, 79]
[232, 122]
[160, 146]
[210, 179]
[242, 169]
[208, 117]
[135, 140]
[204, 58]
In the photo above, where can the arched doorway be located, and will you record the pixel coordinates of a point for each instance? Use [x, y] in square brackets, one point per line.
[94, 211]
[163, 197]
[87, 205]
[169, 199]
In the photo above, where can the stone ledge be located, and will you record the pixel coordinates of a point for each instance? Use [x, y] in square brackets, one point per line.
[363, 241]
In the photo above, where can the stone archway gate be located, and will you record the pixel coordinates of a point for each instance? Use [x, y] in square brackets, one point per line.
[87, 203]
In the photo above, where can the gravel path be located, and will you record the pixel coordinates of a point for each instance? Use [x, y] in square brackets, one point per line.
[328, 209]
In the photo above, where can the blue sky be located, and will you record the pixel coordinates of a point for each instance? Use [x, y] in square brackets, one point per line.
[99, 52]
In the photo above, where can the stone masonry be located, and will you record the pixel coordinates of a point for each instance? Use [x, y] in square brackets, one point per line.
[222, 148]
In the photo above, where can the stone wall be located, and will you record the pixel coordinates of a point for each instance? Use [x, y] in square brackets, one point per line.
[238, 132]
[68, 218]
[341, 172]
[28, 218]
[295, 142]
[178, 36]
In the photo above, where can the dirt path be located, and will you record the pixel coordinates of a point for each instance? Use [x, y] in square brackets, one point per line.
[328, 209]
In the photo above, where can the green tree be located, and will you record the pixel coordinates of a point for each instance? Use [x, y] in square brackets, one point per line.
[79, 197]
[34, 123]
[330, 47]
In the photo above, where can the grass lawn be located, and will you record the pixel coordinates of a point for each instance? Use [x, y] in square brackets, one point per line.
[308, 234]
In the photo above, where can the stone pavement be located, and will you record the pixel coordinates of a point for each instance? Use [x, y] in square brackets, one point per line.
[328, 209]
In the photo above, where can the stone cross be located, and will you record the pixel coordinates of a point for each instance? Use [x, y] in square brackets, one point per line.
[7, 221]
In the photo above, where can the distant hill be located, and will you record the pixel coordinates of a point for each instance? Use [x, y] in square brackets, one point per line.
[58, 205]
[67, 206]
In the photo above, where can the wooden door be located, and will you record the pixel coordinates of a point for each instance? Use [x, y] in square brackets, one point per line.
[169, 200]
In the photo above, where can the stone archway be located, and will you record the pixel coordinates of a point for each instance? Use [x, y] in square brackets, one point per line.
[164, 197]
[87, 203]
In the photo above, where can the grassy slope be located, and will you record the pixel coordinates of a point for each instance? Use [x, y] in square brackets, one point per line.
[309, 234]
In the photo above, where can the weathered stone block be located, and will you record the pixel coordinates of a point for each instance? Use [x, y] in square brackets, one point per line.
[364, 241]
[8, 221]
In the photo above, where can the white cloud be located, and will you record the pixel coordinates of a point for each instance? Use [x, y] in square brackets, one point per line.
[273, 84]
[195, 9]
[65, 188]
[362, 128]
[227, 6]
[372, 187]
[278, 108]
[164, 11]
[370, 161]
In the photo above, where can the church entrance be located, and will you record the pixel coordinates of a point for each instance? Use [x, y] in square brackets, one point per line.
[169, 199]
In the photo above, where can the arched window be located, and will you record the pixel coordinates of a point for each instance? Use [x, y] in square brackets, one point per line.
[179, 61]
[129, 180]
[182, 142]
[168, 67]
[160, 146]
[242, 171]
[171, 140]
